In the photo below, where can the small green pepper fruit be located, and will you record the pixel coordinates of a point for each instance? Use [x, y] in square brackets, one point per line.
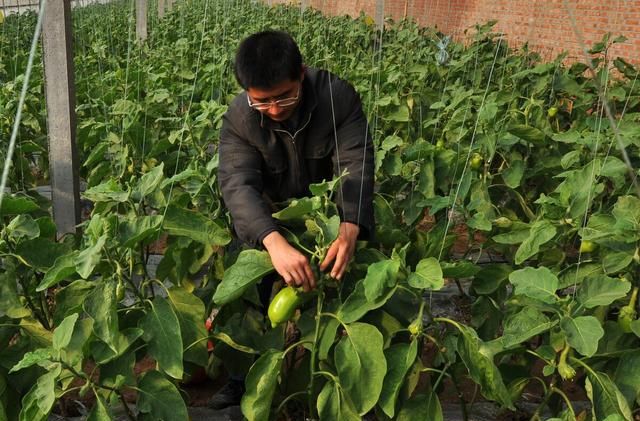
[628, 313]
[415, 328]
[587, 246]
[283, 305]
[551, 112]
[476, 161]
[564, 368]
[502, 222]
[120, 290]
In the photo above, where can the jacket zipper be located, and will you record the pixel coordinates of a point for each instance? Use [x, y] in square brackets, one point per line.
[292, 137]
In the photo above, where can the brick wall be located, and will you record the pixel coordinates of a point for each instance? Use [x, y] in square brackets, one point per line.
[545, 24]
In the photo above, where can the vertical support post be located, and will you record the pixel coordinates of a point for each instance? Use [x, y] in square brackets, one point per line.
[303, 5]
[380, 14]
[161, 8]
[61, 117]
[141, 20]
[169, 5]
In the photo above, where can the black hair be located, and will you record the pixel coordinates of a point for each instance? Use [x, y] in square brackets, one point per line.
[266, 59]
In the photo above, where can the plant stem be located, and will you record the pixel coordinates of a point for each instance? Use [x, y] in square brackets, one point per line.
[312, 363]
[463, 403]
[287, 399]
[565, 398]
[295, 345]
[543, 404]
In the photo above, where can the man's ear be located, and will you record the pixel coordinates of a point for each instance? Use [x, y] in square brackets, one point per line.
[303, 72]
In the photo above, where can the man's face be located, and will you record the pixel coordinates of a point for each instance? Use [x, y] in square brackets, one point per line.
[290, 91]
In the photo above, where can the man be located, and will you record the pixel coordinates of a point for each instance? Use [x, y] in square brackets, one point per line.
[292, 126]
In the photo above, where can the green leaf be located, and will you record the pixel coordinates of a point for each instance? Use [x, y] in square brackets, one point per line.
[62, 333]
[40, 253]
[361, 365]
[10, 303]
[327, 335]
[490, 278]
[88, 258]
[191, 314]
[537, 283]
[528, 133]
[63, 267]
[23, 226]
[223, 337]
[132, 232]
[15, 205]
[380, 276]
[480, 222]
[37, 332]
[524, 325]
[583, 333]
[250, 267]
[97, 155]
[194, 225]
[481, 367]
[421, 408]
[606, 398]
[319, 189]
[100, 412]
[158, 399]
[635, 327]
[103, 353]
[100, 305]
[627, 214]
[460, 269]
[400, 115]
[70, 299]
[74, 352]
[298, 208]
[516, 236]
[30, 410]
[428, 275]
[334, 405]
[512, 176]
[39, 356]
[356, 305]
[541, 232]
[330, 228]
[148, 182]
[400, 358]
[627, 376]
[616, 261]
[45, 389]
[162, 334]
[261, 385]
[601, 290]
[109, 191]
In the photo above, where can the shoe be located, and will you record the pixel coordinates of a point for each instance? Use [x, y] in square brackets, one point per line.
[229, 395]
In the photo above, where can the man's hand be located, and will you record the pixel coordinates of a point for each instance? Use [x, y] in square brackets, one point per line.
[341, 250]
[292, 265]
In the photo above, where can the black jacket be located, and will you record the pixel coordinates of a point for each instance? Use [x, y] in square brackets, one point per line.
[262, 163]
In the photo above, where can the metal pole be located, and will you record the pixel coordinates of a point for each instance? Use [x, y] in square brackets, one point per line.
[61, 117]
[161, 8]
[169, 5]
[380, 14]
[141, 20]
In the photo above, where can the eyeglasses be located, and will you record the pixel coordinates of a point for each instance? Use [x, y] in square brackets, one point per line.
[283, 103]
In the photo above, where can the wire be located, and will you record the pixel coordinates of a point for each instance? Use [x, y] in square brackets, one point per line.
[23, 94]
